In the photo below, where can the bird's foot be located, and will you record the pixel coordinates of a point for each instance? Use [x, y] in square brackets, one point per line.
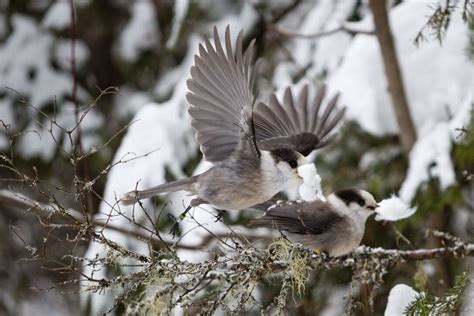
[321, 253]
[220, 215]
[175, 227]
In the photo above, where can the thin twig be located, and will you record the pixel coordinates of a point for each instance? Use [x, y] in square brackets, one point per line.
[343, 28]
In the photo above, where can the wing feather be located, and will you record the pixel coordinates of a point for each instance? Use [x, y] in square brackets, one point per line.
[296, 124]
[221, 98]
[313, 218]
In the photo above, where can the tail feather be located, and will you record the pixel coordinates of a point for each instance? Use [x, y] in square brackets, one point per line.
[134, 196]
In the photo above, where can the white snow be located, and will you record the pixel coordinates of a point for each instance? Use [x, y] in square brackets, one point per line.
[321, 54]
[58, 16]
[400, 296]
[393, 209]
[336, 301]
[310, 189]
[141, 33]
[431, 97]
[431, 154]
[62, 53]
[129, 101]
[25, 64]
[430, 157]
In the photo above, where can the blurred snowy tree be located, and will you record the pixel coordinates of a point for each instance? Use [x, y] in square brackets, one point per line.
[92, 104]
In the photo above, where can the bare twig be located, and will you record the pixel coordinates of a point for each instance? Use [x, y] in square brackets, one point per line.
[342, 28]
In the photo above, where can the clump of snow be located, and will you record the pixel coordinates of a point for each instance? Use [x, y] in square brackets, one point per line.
[129, 101]
[400, 296]
[393, 209]
[58, 16]
[141, 33]
[25, 63]
[62, 53]
[430, 157]
[310, 189]
[431, 154]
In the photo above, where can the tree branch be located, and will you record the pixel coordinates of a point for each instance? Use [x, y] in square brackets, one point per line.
[18, 201]
[343, 28]
[394, 77]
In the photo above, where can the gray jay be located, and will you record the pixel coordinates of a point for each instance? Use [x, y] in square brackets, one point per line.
[255, 150]
[336, 226]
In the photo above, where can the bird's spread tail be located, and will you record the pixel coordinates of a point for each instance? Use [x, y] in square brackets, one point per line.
[132, 197]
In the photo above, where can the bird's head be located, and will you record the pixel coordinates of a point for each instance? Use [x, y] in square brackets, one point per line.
[286, 162]
[359, 201]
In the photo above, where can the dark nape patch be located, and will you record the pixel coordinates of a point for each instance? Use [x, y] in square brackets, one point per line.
[284, 154]
[350, 195]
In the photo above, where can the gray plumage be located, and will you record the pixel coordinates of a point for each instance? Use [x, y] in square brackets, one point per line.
[336, 226]
[253, 160]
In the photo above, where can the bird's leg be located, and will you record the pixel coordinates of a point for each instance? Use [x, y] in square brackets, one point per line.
[174, 229]
[220, 214]
[194, 202]
[183, 214]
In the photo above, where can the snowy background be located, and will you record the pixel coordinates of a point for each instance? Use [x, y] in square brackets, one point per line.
[145, 48]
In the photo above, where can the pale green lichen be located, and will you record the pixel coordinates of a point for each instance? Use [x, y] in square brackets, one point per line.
[296, 261]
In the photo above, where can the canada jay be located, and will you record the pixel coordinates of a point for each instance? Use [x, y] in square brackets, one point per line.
[336, 226]
[255, 151]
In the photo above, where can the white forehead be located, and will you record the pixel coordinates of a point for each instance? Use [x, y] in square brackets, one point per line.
[367, 197]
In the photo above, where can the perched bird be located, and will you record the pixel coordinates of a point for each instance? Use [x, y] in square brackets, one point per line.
[335, 226]
[255, 150]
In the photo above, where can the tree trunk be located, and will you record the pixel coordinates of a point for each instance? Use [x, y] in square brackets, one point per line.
[392, 71]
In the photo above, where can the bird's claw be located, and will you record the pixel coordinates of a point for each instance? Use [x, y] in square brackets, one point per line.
[175, 228]
[220, 215]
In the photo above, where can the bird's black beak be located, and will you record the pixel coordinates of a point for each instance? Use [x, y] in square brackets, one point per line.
[373, 207]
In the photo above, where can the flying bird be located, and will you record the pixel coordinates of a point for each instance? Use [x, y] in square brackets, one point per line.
[255, 148]
[335, 226]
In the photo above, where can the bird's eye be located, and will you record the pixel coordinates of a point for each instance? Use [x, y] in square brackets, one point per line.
[293, 163]
[361, 202]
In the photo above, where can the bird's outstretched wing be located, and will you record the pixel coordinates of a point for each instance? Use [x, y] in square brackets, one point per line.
[313, 218]
[221, 98]
[296, 124]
